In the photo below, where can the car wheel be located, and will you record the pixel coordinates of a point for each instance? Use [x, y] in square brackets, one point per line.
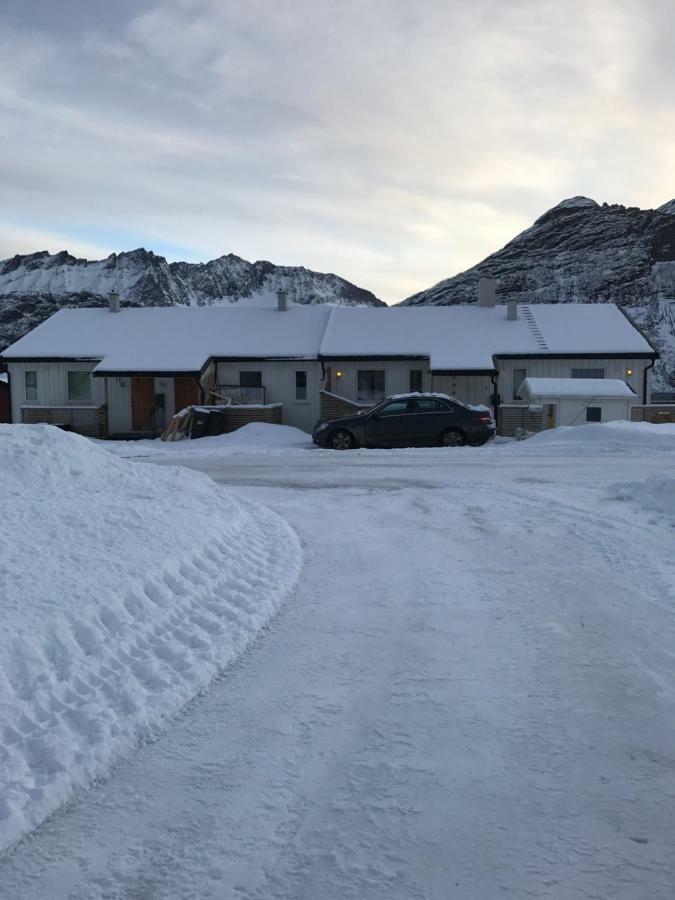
[452, 438]
[341, 440]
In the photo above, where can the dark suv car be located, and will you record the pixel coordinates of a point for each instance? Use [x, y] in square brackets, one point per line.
[409, 420]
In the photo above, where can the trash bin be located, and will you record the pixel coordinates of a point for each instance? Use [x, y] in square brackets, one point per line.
[200, 423]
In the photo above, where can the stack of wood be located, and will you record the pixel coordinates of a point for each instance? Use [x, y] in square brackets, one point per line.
[196, 422]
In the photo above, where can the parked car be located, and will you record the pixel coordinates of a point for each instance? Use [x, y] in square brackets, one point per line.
[409, 420]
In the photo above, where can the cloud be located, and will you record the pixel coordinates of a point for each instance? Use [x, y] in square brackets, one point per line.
[393, 143]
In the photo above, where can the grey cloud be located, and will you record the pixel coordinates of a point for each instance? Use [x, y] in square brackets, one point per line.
[353, 137]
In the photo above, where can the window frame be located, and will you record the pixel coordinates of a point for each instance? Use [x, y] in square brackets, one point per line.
[372, 395]
[594, 409]
[33, 387]
[301, 389]
[418, 373]
[244, 374]
[79, 401]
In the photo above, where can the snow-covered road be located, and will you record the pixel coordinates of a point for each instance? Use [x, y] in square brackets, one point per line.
[470, 696]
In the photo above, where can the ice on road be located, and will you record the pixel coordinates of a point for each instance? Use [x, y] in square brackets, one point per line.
[469, 697]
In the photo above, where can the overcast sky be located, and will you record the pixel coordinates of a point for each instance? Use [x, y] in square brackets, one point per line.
[393, 142]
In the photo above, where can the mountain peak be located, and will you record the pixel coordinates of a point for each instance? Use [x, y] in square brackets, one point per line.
[572, 202]
[668, 207]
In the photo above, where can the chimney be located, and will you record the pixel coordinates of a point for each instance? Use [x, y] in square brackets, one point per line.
[487, 292]
[281, 301]
[114, 302]
[512, 310]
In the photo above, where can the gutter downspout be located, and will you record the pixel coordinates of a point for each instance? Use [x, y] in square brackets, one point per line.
[644, 380]
[495, 393]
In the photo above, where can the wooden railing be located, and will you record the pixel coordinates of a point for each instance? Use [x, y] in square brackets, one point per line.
[90, 421]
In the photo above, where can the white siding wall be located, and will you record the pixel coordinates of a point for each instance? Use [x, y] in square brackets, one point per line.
[472, 389]
[52, 384]
[562, 368]
[396, 375]
[573, 412]
[278, 378]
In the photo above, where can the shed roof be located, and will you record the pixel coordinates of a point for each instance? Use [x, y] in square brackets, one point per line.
[560, 388]
[453, 338]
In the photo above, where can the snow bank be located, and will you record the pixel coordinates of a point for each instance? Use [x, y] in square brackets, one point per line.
[654, 495]
[608, 437]
[124, 589]
[256, 437]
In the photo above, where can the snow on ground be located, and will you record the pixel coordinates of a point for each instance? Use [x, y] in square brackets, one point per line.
[257, 437]
[470, 695]
[123, 591]
[656, 496]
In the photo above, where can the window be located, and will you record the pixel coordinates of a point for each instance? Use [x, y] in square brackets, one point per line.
[431, 406]
[594, 414]
[396, 408]
[301, 385]
[416, 381]
[588, 373]
[250, 379]
[519, 376]
[79, 387]
[31, 387]
[370, 385]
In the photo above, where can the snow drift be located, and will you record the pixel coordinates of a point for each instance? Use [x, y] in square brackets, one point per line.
[124, 589]
[655, 495]
[608, 437]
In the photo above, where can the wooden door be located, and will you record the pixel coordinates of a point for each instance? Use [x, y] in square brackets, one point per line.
[187, 393]
[142, 404]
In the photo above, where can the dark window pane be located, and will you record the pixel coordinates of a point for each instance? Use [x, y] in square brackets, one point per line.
[588, 373]
[79, 387]
[31, 387]
[426, 405]
[519, 376]
[250, 379]
[301, 385]
[594, 414]
[396, 408]
[370, 385]
[416, 381]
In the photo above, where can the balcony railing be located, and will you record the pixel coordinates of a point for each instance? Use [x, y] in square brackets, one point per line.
[242, 396]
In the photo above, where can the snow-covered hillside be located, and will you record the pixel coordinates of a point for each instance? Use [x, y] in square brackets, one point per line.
[580, 251]
[123, 591]
[33, 287]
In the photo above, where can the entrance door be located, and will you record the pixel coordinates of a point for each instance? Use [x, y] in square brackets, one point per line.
[187, 393]
[550, 415]
[142, 404]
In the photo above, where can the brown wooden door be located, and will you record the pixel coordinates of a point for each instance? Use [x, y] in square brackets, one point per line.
[142, 403]
[187, 393]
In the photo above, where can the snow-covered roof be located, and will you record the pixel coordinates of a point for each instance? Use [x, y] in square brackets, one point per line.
[467, 337]
[174, 339]
[183, 339]
[532, 388]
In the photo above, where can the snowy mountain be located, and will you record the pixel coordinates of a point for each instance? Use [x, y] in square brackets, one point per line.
[580, 251]
[32, 287]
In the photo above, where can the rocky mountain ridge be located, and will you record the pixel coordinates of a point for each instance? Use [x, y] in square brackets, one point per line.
[34, 286]
[581, 251]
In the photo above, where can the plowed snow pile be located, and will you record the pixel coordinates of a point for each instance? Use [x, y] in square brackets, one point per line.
[608, 437]
[124, 589]
[655, 495]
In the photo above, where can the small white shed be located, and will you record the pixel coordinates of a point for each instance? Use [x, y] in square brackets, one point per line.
[576, 401]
